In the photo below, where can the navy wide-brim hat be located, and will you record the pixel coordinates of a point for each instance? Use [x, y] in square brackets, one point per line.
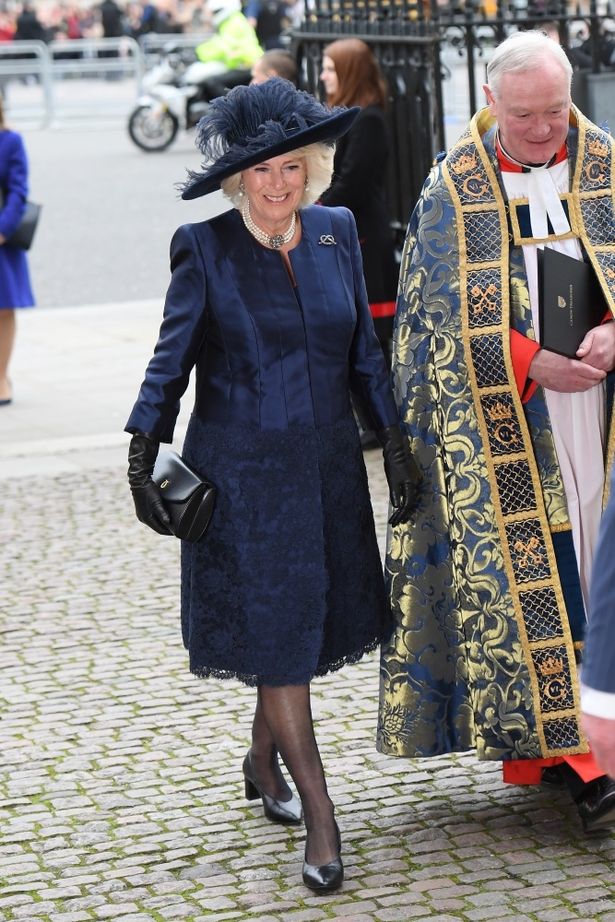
[257, 122]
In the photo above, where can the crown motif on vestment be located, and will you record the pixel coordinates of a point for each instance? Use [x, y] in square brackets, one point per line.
[551, 665]
[598, 148]
[464, 164]
[499, 410]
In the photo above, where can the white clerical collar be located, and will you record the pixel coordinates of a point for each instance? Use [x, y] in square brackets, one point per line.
[543, 197]
[525, 167]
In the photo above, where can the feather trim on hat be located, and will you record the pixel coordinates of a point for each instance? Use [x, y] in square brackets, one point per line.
[251, 119]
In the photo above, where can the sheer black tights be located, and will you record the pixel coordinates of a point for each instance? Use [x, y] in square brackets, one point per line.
[264, 758]
[283, 724]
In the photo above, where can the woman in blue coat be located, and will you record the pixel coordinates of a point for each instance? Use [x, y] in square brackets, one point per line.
[15, 289]
[267, 302]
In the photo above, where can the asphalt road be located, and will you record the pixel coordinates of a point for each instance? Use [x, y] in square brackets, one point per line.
[109, 212]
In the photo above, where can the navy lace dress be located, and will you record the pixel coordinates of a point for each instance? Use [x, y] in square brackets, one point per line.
[287, 583]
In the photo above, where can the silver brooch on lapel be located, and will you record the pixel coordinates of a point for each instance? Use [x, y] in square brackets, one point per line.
[327, 240]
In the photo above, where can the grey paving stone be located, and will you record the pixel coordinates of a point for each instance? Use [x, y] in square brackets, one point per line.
[306, 915]
[25, 912]
[448, 904]
[488, 898]
[441, 917]
[69, 917]
[138, 917]
[13, 899]
[408, 898]
[220, 917]
[545, 877]
[109, 911]
[487, 913]
[394, 914]
[554, 915]
[595, 907]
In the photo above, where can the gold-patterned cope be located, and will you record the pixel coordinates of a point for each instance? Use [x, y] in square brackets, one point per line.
[529, 557]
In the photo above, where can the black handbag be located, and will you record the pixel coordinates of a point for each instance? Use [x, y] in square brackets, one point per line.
[23, 235]
[187, 497]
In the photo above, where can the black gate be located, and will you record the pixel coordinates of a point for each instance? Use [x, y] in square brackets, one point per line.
[409, 59]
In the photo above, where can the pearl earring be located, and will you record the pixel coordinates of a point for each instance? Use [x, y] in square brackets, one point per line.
[307, 184]
[242, 188]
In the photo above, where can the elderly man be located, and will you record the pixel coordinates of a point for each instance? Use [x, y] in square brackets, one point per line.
[490, 582]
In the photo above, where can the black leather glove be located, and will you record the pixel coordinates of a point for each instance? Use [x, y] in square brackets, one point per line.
[142, 454]
[402, 474]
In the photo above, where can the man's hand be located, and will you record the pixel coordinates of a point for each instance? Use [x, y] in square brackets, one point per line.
[568, 376]
[600, 732]
[598, 347]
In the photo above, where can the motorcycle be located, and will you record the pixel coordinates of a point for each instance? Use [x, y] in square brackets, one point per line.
[172, 99]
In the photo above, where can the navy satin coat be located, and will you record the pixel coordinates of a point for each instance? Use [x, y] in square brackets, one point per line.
[265, 355]
[287, 582]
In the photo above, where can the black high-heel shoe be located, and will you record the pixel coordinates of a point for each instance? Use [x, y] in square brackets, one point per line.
[288, 812]
[323, 878]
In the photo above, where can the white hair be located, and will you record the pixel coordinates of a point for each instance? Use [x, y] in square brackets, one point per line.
[318, 167]
[524, 51]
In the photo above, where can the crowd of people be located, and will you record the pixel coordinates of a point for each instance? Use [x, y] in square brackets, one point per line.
[108, 19]
[57, 21]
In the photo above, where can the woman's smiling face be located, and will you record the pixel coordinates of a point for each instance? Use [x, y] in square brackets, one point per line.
[274, 189]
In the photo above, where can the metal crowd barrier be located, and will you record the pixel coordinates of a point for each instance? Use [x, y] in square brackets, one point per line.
[28, 59]
[84, 57]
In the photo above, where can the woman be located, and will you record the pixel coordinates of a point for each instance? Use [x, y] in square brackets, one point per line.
[268, 302]
[351, 77]
[15, 288]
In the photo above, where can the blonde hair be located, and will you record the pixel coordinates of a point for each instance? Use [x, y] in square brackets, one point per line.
[318, 167]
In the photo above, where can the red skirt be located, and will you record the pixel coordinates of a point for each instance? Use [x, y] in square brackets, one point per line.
[529, 771]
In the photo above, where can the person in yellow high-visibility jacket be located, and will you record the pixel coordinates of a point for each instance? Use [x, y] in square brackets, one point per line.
[231, 52]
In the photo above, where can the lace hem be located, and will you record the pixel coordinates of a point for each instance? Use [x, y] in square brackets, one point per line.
[210, 672]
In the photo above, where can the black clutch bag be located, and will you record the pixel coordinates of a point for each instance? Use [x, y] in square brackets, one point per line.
[23, 235]
[187, 497]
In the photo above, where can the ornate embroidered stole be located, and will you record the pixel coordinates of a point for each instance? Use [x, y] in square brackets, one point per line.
[529, 559]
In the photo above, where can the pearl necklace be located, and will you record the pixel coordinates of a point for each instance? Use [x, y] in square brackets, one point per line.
[277, 240]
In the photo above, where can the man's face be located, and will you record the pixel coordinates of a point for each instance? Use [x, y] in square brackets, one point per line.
[260, 73]
[531, 110]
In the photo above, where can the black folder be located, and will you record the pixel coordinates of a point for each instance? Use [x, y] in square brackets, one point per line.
[570, 301]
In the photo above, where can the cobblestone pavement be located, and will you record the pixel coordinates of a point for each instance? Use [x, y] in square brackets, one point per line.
[120, 779]
[120, 774]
